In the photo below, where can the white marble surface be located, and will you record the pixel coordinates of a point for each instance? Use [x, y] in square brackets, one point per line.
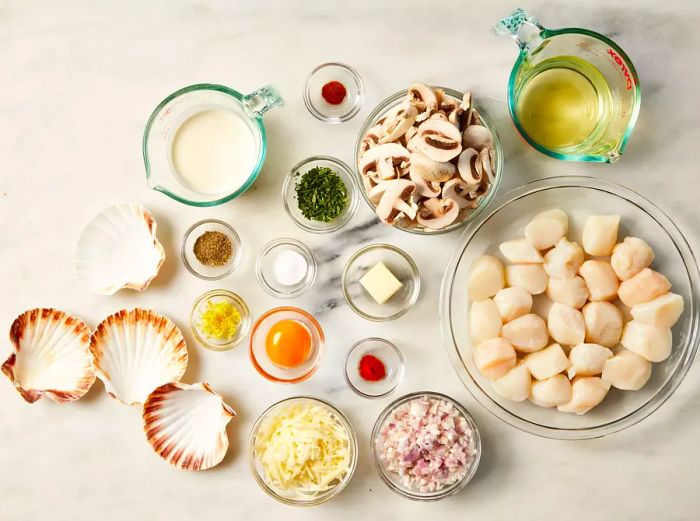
[78, 82]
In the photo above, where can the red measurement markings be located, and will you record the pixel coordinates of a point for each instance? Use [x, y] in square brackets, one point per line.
[623, 66]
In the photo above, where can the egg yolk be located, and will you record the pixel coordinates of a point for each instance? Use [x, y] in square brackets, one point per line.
[288, 343]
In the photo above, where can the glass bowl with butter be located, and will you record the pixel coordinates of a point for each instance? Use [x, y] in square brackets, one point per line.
[380, 282]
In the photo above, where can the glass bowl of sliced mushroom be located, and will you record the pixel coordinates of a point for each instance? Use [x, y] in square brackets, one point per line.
[428, 159]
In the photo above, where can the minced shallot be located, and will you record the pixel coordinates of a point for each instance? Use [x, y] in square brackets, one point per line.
[428, 443]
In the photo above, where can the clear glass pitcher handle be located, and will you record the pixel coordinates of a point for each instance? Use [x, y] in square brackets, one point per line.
[263, 99]
[522, 27]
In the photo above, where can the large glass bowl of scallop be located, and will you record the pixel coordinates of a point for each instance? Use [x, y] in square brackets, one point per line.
[580, 197]
[481, 184]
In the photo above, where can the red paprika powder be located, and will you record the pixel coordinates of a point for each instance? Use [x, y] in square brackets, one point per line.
[334, 92]
[372, 368]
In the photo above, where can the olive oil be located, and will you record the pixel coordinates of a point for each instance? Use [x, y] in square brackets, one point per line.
[563, 103]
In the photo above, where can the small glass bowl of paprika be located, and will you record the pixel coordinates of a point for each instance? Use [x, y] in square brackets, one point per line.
[334, 92]
[374, 367]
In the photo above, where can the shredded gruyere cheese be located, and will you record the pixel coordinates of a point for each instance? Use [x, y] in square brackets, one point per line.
[303, 447]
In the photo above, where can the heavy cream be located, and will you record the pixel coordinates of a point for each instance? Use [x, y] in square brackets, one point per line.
[214, 151]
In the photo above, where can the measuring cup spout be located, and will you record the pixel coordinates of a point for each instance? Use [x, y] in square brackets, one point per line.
[523, 28]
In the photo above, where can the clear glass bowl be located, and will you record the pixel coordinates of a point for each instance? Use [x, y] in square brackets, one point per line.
[289, 196]
[293, 497]
[264, 268]
[216, 296]
[393, 481]
[389, 355]
[403, 268]
[390, 103]
[320, 108]
[258, 352]
[579, 197]
[192, 263]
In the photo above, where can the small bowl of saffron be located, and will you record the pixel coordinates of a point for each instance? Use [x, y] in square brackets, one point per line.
[374, 367]
[334, 92]
[220, 320]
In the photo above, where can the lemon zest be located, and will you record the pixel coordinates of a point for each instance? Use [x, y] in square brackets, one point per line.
[220, 320]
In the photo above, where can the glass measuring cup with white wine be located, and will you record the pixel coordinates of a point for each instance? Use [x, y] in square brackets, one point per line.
[573, 94]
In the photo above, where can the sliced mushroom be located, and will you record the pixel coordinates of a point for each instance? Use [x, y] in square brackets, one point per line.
[439, 140]
[385, 159]
[478, 137]
[430, 170]
[396, 200]
[437, 214]
[456, 117]
[486, 165]
[439, 115]
[412, 143]
[397, 127]
[458, 190]
[424, 99]
[467, 168]
[424, 188]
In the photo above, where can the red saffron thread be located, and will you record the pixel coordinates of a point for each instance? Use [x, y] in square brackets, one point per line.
[334, 92]
[372, 368]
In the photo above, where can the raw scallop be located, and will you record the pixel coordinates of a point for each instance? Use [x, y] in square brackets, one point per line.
[547, 228]
[644, 287]
[564, 260]
[530, 277]
[588, 359]
[627, 371]
[513, 303]
[604, 323]
[51, 356]
[600, 234]
[186, 425]
[566, 325]
[527, 333]
[485, 278]
[651, 342]
[515, 384]
[119, 249]
[494, 358]
[586, 393]
[135, 352]
[547, 362]
[484, 321]
[551, 392]
[663, 311]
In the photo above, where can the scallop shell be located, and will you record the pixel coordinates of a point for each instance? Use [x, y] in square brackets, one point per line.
[135, 352]
[51, 356]
[186, 425]
[119, 249]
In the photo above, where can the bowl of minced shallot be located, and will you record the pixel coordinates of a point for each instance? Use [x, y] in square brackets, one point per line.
[426, 446]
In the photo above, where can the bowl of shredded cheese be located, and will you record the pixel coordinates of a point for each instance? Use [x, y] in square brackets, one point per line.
[303, 451]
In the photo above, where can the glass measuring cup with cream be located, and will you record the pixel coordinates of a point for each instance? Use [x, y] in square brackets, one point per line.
[205, 144]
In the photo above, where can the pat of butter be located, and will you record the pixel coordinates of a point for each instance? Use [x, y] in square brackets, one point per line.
[380, 283]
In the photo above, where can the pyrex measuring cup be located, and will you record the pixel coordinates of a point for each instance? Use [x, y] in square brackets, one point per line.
[605, 67]
[170, 114]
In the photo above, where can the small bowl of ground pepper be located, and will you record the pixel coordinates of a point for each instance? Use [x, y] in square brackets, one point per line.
[211, 249]
[320, 194]
[334, 92]
[220, 320]
[374, 367]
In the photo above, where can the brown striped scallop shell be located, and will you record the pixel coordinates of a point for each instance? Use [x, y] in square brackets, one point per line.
[51, 356]
[136, 351]
[186, 425]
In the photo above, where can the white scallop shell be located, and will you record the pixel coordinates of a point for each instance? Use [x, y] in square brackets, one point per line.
[136, 351]
[119, 249]
[51, 356]
[186, 425]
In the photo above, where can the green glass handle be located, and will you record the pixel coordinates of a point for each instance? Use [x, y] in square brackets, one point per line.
[263, 99]
[522, 27]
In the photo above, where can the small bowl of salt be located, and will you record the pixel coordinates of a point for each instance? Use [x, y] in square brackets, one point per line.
[285, 268]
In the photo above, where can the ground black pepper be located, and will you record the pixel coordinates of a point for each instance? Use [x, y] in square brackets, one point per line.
[213, 249]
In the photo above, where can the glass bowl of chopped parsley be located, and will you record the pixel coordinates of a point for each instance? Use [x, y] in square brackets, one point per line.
[320, 194]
